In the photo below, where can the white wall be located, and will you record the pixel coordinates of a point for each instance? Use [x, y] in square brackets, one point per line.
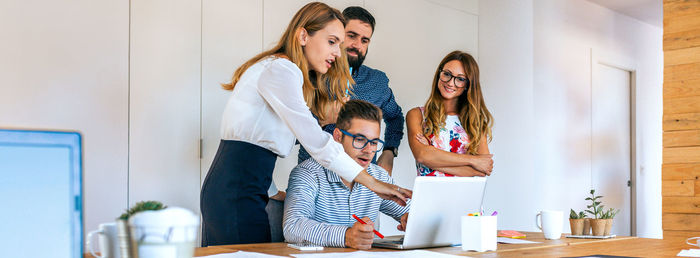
[67, 66]
[549, 162]
[506, 65]
[164, 102]
[64, 66]
[164, 114]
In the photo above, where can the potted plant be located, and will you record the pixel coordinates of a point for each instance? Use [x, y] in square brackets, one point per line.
[586, 226]
[608, 216]
[576, 222]
[123, 228]
[596, 210]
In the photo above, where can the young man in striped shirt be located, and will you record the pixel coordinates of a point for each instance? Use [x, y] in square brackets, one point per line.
[320, 204]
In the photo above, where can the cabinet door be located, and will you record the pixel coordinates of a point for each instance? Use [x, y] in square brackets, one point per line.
[64, 66]
[164, 113]
[231, 35]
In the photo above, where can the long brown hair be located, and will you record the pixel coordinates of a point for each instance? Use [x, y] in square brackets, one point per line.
[312, 17]
[473, 114]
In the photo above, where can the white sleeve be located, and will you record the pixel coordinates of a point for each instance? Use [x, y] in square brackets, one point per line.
[281, 87]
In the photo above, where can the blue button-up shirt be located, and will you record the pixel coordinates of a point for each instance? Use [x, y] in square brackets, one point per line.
[319, 207]
[372, 85]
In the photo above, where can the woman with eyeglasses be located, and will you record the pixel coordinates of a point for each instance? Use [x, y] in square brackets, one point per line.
[275, 96]
[449, 135]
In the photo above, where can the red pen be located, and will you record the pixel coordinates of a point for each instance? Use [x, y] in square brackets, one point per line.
[363, 222]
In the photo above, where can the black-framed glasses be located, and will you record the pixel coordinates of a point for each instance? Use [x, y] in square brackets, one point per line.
[459, 82]
[359, 142]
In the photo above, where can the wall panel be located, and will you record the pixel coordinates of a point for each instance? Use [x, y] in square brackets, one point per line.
[681, 154]
[682, 88]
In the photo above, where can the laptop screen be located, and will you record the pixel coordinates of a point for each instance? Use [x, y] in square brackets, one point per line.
[40, 189]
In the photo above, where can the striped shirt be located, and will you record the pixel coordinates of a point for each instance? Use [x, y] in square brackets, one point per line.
[319, 207]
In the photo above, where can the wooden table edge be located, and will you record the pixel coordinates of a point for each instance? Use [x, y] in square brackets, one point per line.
[562, 244]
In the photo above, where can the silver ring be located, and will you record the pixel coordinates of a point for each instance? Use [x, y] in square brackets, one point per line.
[398, 188]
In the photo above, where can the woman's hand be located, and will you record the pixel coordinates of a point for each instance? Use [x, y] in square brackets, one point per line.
[391, 192]
[384, 190]
[482, 162]
[421, 138]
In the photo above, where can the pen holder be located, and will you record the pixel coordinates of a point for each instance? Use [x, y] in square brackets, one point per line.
[479, 233]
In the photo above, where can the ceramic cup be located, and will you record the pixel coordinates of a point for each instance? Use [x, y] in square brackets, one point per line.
[107, 240]
[550, 222]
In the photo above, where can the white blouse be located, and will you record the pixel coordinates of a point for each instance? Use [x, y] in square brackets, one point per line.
[267, 108]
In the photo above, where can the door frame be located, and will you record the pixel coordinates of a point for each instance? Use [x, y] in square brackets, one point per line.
[615, 60]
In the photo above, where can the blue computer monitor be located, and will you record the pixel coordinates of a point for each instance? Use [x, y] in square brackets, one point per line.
[41, 193]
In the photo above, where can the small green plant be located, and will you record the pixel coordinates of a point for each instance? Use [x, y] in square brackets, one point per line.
[609, 214]
[580, 215]
[595, 208]
[142, 206]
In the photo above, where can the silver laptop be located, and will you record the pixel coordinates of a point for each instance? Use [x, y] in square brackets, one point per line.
[436, 209]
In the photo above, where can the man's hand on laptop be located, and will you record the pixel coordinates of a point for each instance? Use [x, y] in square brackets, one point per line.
[402, 225]
[360, 236]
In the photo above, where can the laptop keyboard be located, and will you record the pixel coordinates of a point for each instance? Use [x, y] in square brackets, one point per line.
[400, 241]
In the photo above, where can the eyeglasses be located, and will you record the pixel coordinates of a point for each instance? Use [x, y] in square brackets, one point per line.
[460, 82]
[359, 142]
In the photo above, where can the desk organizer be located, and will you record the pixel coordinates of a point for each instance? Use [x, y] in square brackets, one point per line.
[479, 233]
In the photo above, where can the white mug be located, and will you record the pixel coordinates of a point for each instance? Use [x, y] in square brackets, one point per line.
[107, 239]
[550, 223]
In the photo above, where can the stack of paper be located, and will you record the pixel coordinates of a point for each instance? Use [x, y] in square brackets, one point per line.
[243, 254]
[365, 254]
[505, 240]
[690, 253]
[362, 254]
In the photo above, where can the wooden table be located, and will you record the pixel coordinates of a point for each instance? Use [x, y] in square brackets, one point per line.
[622, 246]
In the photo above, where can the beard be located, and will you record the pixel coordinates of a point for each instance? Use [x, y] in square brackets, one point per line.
[355, 61]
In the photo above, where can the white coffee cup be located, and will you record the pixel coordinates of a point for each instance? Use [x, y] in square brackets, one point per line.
[550, 222]
[107, 239]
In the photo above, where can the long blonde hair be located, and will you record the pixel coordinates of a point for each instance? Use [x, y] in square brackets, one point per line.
[312, 17]
[473, 114]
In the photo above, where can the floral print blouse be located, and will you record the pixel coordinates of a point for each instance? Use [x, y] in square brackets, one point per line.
[451, 138]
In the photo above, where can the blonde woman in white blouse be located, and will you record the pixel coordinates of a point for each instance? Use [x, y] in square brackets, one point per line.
[273, 103]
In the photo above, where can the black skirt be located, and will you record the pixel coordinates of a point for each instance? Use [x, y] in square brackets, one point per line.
[234, 195]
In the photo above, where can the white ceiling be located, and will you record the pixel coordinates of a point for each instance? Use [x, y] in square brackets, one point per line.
[648, 11]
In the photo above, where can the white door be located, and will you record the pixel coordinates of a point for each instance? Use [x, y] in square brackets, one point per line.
[611, 152]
